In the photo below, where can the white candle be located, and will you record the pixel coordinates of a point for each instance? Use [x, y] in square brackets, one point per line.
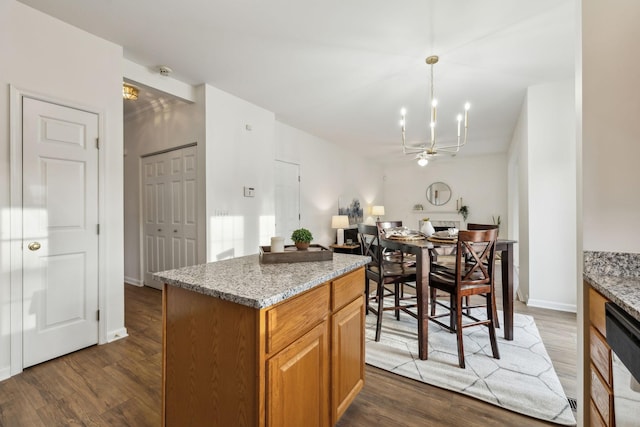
[277, 244]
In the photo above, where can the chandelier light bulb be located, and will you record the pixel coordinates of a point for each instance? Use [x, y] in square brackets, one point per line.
[422, 161]
[403, 111]
[434, 103]
[467, 106]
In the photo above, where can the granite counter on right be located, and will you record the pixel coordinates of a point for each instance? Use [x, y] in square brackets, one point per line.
[611, 277]
[616, 275]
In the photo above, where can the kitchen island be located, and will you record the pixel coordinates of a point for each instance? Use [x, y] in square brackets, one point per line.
[252, 344]
[610, 277]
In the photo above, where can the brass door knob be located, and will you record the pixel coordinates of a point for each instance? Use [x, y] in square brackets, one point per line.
[34, 246]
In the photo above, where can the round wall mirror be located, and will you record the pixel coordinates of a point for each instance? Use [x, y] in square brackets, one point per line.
[438, 193]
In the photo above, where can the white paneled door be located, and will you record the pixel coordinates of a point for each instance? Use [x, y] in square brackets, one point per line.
[287, 195]
[60, 230]
[169, 212]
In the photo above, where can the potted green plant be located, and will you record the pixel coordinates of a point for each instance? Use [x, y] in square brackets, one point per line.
[464, 211]
[302, 237]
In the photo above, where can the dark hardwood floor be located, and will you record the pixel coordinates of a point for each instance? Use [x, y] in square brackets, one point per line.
[118, 384]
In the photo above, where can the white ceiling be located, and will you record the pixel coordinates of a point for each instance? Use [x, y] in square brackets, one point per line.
[342, 69]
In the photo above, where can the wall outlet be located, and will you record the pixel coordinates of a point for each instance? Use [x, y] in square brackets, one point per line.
[249, 192]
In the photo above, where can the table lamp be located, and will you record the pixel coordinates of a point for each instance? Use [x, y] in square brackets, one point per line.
[340, 222]
[377, 211]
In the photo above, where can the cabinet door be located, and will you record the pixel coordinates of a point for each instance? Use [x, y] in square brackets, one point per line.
[347, 358]
[298, 382]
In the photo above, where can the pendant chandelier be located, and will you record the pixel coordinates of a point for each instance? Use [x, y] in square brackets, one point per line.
[430, 149]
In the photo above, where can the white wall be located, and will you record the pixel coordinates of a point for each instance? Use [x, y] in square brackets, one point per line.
[551, 152]
[481, 182]
[149, 132]
[234, 157]
[329, 174]
[610, 131]
[542, 173]
[45, 56]
[518, 202]
[611, 126]
[237, 157]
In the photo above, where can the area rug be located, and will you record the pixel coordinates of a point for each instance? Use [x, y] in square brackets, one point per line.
[522, 380]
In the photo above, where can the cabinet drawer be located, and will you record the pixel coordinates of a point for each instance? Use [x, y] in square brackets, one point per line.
[596, 311]
[601, 355]
[346, 288]
[601, 396]
[289, 320]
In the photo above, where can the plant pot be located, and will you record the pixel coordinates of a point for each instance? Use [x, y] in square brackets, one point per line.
[302, 246]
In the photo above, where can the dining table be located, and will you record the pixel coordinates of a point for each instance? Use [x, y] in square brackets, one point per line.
[420, 248]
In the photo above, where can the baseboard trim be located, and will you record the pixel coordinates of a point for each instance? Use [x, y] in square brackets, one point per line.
[551, 305]
[5, 373]
[132, 281]
[117, 334]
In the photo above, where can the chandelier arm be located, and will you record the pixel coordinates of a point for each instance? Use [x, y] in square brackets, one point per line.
[412, 150]
[408, 149]
[458, 146]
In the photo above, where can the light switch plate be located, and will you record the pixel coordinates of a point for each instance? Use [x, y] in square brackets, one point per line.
[249, 192]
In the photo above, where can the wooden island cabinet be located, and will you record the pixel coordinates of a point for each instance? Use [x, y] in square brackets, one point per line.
[601, 404]
[297, 362]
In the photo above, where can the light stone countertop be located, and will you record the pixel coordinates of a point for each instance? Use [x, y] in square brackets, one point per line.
[244, 280]
[616, 275]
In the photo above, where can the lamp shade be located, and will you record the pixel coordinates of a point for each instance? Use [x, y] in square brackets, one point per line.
[377, 210]
[339, 221]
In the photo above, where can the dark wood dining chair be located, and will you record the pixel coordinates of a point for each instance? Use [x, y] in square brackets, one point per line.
[389, 275]
[473, 275]
[396, 256]
[472, 226]
[390, 255]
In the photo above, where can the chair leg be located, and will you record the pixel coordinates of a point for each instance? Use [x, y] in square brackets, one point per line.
[366, 296]
[452, 313]
[467, 301]
[396, 299]
[459, 331]
[380, 310]
[492, 330]
[496, 320]
[432, 300]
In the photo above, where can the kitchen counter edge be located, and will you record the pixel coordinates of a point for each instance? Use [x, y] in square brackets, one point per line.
[616, 275]
[247, 281]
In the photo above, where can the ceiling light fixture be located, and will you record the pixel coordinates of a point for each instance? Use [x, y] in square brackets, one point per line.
[430, 149]
[129, 92]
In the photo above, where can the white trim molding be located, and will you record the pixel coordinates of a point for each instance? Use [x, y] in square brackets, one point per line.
[552, 305]
[117, 335]
[16, 235]
[132, 281]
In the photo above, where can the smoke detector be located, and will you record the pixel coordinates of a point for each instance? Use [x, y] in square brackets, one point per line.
[164, 70]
